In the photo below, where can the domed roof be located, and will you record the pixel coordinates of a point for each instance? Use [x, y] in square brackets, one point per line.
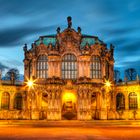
[90, 40]
[84, 39]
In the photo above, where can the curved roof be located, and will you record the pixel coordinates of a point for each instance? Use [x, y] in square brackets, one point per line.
[51, 39]
[46, 40]
[84, 39]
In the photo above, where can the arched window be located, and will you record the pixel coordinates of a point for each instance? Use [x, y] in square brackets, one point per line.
[5, 101]
[69, 66]
[18, 102]
[95, 68]
[120, 101]
[42, 66]
[133, 104]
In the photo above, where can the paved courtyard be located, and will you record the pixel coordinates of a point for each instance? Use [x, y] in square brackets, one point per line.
[68, 132]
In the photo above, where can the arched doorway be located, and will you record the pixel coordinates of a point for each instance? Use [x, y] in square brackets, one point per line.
[95, 105]
[18, 101]
[44, 106]
[69, 105]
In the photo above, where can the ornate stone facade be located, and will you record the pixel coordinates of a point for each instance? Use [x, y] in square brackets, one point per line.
[69, 70]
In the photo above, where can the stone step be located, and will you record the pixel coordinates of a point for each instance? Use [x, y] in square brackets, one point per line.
[44, 123]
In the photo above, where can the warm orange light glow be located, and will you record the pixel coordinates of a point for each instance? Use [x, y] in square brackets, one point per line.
[107, 83]
[30, 83]
[68, 96]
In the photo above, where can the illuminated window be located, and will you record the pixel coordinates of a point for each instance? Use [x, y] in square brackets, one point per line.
[18, 102]
[120, 101]
[42, 66]
[69, 67]
[5, 101]
[95, 69]
[133, 104]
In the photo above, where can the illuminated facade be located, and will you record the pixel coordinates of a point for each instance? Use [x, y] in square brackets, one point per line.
[70, 73]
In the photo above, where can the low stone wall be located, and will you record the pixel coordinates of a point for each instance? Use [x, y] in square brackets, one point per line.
[36, 115]
[124, 115]
[14, 114]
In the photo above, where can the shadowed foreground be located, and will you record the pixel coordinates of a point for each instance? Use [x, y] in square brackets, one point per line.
[69, 133]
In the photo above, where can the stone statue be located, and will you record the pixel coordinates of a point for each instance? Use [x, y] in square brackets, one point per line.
[12, 78]
[79, 30]
[58, 30]
[96, 40]
[111, 50]
[69, 21]
[41, 40]
[25, 48]
[33, 45]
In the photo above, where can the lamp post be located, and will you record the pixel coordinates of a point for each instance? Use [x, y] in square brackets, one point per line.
[107, 85]
[30, 84]
[30, 108]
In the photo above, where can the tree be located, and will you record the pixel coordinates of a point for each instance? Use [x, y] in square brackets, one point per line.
[130, 74]
[116, 75]
[12, 74]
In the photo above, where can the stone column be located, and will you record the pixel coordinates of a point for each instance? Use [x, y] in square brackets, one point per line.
[103, 109]
[103, 68]
[111, 71]
[98, 101]
[34, 68]
[59, 64]
[80, 69]
[26, 69]
[35, 111]
[12, 98]
[54, 66]
[88, 69]
[23, 101]
[84, 104]
[126, 111]
[54, 108]
[126, 101]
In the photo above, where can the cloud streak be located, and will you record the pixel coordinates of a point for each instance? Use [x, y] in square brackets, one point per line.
[112, 21]
[3, 67]
[15, 36]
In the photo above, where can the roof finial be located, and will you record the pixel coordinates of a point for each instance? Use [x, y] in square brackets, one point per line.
[79, 30]
[69, 19]
[58, 30]
[25, 48]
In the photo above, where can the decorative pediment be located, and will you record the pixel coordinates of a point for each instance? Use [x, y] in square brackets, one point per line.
[69, 39]
[83, 80]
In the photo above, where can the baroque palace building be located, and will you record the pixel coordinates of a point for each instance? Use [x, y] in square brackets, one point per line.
[72, 78]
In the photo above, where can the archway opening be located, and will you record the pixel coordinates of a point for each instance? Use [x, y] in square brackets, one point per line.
[69, 110]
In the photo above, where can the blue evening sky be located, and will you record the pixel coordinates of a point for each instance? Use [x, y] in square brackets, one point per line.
[113, 21]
